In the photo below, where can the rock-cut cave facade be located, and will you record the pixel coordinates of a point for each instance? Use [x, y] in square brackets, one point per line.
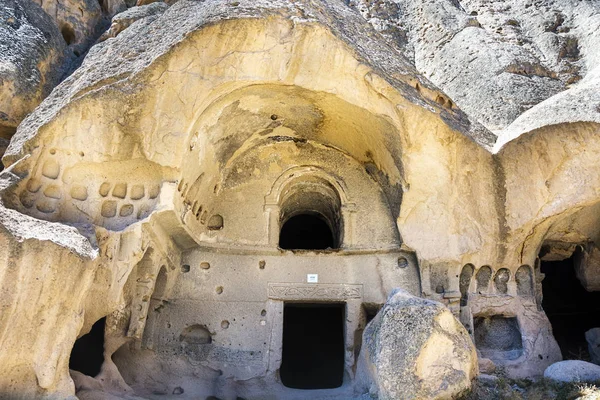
[230, 199]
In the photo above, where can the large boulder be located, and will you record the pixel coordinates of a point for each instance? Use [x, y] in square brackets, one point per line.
[416, 349]
[573, 371]
[593, 338]
[32, 53]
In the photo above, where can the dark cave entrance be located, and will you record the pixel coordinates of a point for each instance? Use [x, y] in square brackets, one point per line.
[313, 346]
[306, 232]
[570, 308]
[87, 355]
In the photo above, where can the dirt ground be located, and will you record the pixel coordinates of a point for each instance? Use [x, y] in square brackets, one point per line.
[499, 388]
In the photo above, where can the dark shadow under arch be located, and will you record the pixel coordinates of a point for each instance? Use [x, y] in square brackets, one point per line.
[306, 232]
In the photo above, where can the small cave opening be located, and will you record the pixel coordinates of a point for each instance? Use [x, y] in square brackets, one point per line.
[306, 232]
[87, 355]
[67, 33]
[313, 346]
[571, 309]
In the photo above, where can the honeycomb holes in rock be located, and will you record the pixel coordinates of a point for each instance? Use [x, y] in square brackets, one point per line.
[178, 390]
[466, 275]
[501, 280]
[483, 277]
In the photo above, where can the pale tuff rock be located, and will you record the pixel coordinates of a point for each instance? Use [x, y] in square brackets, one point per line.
[416, 349]
[40, 41]
[501, 59]
[146, 199]
[77, 20]
[123, 20]
[32, 53]
[151, 187]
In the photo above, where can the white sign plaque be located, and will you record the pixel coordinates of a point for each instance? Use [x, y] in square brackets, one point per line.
[312, 278]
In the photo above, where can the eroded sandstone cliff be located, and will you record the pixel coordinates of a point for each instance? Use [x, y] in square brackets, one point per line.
[449, 156]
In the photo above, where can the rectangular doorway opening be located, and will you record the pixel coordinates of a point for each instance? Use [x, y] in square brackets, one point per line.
[313, 345]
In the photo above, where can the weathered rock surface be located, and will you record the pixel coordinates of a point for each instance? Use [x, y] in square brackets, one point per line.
[523, 346]
[573, 371]
[39, 43]
[587, 267]
[416, 349]
[125, 19]
[114, 7]
[486, 366]
[170, 121]
[32, 53]
[117, 146]
[499, 59]
[593, 338]
[77, 20]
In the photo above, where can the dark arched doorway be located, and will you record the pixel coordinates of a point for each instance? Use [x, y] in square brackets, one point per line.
[306, 232]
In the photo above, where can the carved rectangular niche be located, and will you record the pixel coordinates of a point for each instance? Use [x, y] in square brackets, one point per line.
[498, 337]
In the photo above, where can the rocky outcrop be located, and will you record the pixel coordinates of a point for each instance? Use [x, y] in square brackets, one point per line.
[180, 132]
[125, 19]
[32, 55]
[77, 20]
[415, 349]
[587, 267]
[40, 41]
[117, 151]
[498, 60]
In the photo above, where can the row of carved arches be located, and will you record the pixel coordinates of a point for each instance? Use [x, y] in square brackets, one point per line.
[489, 282]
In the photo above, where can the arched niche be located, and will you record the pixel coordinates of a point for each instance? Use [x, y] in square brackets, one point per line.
[501, 280]
[466, 276]
[160, 286]
[226, 136]
[483, 278]
[524, 278]
[310, 191]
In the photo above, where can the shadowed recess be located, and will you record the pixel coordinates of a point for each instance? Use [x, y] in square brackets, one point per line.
[313, 346]
[87, 355]
[306, 232]
[570, 308]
